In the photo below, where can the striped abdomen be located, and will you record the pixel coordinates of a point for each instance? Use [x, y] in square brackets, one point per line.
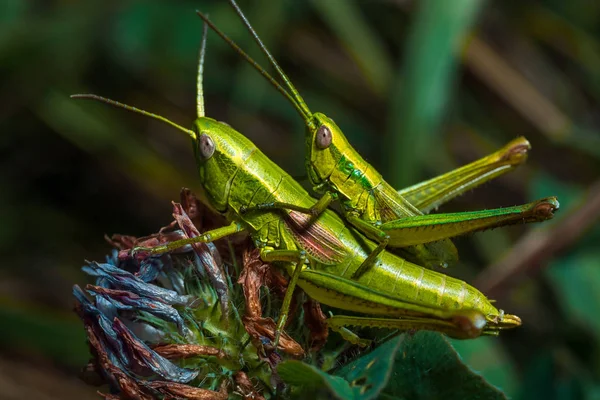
[400, 278]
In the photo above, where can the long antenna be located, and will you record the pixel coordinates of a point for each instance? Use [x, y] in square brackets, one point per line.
[133, 109]
[303, 111]
[274, 63]
[200, 92]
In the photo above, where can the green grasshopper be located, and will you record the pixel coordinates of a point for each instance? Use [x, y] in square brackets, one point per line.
[322, 254]
[371, 204]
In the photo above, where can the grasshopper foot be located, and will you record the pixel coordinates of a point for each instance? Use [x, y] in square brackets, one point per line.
[141, 253]
[350, 336]
[545, 208]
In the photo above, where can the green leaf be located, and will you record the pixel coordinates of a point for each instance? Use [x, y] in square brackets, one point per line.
[410, 366]
[427, 367]
[487, 356]
[310, 378]
[369, 374]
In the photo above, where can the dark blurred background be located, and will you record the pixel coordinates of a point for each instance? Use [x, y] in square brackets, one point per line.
[419, 87]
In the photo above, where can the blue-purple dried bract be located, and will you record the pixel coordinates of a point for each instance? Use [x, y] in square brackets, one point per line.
[129, 387]
[121, 279]
[161, 327]
[124, 346]
[144, 358]
[123, 300]
[150, 268]
[207, 255]
[204, 348]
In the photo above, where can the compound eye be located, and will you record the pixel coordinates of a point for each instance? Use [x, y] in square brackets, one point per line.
[323, 137]
[206, 146]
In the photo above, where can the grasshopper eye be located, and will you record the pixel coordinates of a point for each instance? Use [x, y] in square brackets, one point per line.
[206, 146]
[323, 137]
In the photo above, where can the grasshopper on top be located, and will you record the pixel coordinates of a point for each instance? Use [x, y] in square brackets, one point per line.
[321, 255]
[371, 204]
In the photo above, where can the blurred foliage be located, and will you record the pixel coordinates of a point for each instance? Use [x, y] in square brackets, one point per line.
[416, 85]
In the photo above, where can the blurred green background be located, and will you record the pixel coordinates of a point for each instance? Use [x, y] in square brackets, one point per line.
[419, 87]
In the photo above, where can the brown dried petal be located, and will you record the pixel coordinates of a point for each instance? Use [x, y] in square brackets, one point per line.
[96, 349]
[203, 217]
[276, 282]
[255, 274]
[179, 390]
[259, 328]
[252, 278]
[245, 387]
[168, 228]
[314, 318]
[121, 242]
[128, 386]
[192, 206]
[176, 351]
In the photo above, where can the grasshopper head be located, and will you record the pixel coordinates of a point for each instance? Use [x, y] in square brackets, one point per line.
[325, 144]
[220, 150]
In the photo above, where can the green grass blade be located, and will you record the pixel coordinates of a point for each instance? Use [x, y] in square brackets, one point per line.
[419, 105]
[359, 40]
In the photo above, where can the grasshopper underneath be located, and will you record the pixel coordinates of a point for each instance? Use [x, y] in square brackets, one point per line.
[372, 205]
[322, 254]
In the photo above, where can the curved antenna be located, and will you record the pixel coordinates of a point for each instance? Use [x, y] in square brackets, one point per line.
[133, 109]
[199, 91]
[305, 114]
[274, 63]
